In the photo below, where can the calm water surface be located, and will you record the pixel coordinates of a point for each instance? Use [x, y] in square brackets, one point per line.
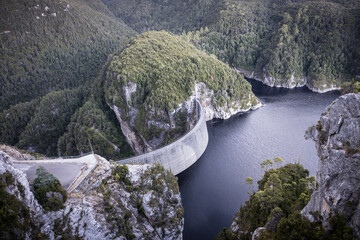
[213, 189]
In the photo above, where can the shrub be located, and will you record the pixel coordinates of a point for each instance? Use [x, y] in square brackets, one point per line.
[48, 190]
[121, 173]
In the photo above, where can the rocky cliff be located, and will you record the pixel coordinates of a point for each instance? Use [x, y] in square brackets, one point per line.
[113, 202]
[337, 137]
[292, 82]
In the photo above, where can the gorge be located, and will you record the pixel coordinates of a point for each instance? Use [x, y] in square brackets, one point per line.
[119, 81]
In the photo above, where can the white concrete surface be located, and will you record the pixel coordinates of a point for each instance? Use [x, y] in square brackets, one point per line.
[70, 171]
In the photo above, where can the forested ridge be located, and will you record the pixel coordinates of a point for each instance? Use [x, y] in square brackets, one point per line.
[52, 94]
[316, 40]
[289, 43]
[53, 45]
[174, 16]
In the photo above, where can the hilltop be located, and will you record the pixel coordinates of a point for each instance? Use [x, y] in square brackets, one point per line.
[151, 84]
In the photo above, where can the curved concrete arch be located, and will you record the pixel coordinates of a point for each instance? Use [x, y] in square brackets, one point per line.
[181, 154]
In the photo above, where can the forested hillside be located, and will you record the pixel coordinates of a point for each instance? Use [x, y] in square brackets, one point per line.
[175, 16]
[90, 129]
[52, 94]
[288, 44]
[53, 45]
[154, 74]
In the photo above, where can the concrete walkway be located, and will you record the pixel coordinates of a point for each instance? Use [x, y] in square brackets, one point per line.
[71, 172]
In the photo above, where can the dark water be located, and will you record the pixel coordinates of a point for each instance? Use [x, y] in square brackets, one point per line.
[213, 189]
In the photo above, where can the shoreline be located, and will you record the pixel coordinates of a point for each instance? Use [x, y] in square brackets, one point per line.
[251, 75]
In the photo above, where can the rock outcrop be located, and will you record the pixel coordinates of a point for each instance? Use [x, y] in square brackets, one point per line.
[292, 82]
[113, 202]
[212, 110]
[337, 137]
[201, 93]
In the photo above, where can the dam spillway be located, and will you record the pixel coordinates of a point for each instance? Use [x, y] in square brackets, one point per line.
[181, 154]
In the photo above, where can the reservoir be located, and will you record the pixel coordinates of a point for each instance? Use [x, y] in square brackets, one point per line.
[213, 189]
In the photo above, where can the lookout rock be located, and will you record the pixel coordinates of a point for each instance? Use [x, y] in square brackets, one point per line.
[337, 137]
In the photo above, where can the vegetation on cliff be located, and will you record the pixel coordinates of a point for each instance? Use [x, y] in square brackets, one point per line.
[14, 215]
[165, 69]
[282, 194]
[16, 220]
[119, 201]
[48, 190]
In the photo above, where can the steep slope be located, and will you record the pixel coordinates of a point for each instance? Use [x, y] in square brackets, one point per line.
[49, 122]
[289, 44]
[292, 43]
[14, 120]
[175, 16]
[114, 201]
[151, 84]
[90, 129]
[337, 137]
[53, 45]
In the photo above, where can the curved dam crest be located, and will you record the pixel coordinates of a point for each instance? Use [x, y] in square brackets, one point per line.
[181, 154]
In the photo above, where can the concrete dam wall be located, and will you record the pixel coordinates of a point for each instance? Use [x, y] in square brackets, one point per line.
[181, 154]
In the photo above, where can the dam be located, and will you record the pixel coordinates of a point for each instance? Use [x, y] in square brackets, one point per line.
[175, 157]
[181, 154]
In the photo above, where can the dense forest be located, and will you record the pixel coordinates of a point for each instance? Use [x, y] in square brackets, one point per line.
[91, 128]
[53, 45]
[174, 16]
[66, 122]
[289, 42]
[284, 43]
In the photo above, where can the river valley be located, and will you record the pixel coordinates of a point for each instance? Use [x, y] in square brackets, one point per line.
[213, 189]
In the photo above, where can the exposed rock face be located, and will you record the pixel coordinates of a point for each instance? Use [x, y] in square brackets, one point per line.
[12, 152]
[144, 204]
[136, 142]
[164, 121]
[337, 137]
[20, 189]
[292, 82]
[167, 120]
[212, 110]
[257, 233]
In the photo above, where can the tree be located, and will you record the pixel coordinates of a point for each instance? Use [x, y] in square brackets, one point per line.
[265, 164]
[249, 181]
[278, 161]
